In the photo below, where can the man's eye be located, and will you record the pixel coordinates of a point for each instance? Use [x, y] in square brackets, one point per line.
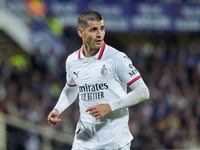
[92, 30]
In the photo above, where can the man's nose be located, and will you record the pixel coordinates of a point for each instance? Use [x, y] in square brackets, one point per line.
[99, 33]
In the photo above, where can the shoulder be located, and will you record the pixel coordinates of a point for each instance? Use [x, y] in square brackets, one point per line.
[113, 52]
[72, 57]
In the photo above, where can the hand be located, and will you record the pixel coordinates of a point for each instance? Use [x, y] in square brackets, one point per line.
[99, 111]
[53, 117]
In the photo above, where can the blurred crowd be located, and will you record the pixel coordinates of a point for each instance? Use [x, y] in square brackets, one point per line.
[170, 119]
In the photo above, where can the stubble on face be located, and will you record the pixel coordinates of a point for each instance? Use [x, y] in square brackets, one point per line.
[93, 36]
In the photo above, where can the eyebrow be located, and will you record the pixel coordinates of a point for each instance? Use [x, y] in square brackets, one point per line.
[96, 27]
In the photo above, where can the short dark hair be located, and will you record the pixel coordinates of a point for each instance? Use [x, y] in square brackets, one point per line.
[88, 15]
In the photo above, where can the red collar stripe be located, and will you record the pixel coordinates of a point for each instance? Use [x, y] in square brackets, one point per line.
[101, 51]
[79, 54]
[71, 85]
[136, 78]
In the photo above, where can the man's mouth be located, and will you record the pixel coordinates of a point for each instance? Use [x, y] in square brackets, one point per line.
[98, 41]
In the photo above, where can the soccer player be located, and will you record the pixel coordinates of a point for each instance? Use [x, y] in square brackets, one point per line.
[99, 74]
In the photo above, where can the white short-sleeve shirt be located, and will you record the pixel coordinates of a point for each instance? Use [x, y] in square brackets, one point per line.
[101, 79]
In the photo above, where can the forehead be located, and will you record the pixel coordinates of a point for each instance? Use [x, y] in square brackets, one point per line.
[92, 24]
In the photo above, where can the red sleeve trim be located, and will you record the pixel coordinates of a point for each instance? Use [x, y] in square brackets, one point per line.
[136, 78]
[71, 85]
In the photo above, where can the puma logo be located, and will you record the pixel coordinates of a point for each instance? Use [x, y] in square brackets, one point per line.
[76, 73]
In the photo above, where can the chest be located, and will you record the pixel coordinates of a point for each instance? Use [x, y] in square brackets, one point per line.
[92, 72]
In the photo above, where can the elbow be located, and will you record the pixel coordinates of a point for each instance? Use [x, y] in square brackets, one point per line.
[146, 93]
[143, 95]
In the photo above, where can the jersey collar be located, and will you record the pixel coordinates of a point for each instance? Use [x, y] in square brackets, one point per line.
[97, 56]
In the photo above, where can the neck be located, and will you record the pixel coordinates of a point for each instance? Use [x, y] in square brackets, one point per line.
[88, 52]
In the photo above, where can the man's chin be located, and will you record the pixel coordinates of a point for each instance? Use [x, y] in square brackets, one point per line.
[98, 45]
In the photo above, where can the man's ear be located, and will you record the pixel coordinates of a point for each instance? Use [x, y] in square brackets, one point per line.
[80, 32]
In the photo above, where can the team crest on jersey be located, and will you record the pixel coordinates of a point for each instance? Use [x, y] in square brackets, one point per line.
[104, 71]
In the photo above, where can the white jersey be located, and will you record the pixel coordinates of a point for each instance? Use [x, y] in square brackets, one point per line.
[101, 79]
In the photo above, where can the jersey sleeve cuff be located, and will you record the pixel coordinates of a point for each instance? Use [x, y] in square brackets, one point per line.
[113, 106]
[71, 85]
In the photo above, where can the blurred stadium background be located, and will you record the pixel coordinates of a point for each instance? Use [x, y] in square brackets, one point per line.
[162, 37]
